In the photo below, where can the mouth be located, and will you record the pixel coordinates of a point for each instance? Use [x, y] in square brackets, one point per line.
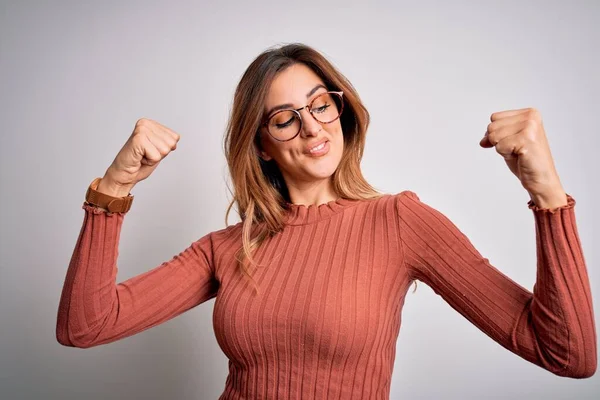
[318, 149]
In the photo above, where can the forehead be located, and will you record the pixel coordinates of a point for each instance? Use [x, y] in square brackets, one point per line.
[291, 86]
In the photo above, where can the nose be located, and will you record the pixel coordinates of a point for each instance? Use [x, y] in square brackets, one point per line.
[310, 126]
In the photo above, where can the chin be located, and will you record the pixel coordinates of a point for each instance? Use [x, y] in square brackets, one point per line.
[323, 169]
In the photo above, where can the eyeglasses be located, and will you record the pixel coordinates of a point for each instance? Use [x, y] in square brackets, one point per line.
[285, 124]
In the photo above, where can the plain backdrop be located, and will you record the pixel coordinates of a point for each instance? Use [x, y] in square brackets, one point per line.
[77, 75]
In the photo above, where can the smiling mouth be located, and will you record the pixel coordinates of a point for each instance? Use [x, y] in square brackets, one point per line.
[318, 150]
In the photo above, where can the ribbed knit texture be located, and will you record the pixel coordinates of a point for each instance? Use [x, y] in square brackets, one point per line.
[332, 287]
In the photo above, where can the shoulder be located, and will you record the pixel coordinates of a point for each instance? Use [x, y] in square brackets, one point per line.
[401, 198]
[229, 233]
[218, 238]
[406, 199]
[385, 199]
[389, 204]
[406, 194]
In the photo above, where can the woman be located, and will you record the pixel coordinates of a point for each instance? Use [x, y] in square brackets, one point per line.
[310, 285]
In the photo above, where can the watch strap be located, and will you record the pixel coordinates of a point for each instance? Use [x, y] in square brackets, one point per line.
[110, 203]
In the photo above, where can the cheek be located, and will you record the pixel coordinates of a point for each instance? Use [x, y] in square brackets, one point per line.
[338, 136]
[280, 151]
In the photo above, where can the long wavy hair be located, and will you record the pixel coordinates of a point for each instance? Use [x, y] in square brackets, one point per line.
[259, 189]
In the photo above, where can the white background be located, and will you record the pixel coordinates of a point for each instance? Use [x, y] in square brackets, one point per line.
[75, 77]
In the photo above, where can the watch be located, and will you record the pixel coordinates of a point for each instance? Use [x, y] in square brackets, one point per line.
[110, 203]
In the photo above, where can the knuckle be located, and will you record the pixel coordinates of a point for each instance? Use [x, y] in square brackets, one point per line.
[139, 131]
[141, 128]
[531, 125]
[534, 114]
[164, 150]
[155, 155]
[530, 135]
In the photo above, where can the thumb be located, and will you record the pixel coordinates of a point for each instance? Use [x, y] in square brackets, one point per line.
[484, 142]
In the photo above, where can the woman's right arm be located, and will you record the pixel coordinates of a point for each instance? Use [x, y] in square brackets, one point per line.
[95, 310]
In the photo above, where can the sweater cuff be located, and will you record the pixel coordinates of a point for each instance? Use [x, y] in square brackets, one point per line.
[90, 208]
[570, 204]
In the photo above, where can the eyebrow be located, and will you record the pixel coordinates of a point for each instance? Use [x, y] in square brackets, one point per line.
[289, 105]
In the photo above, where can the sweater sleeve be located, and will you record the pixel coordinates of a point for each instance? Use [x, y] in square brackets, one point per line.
[95, 310]
[552, 327]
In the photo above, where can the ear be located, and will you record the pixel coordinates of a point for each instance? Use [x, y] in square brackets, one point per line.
[262, 154]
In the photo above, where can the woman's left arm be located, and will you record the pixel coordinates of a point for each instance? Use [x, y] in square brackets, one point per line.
[552, 327]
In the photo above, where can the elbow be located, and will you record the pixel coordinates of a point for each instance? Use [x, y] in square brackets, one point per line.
[584, 362]
[580, 366]
[68, 342]
[62, 333]
[582, 373]
[570, 354]
[64, 341]
[588, 373]
[63, 337]
[588, 368]
[67, 339]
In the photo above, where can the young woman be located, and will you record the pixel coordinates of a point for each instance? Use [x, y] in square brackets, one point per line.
[310, 285]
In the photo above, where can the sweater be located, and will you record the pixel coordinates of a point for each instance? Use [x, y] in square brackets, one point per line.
[332, 286]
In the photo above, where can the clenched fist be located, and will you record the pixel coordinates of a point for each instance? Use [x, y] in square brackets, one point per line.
[147, 146]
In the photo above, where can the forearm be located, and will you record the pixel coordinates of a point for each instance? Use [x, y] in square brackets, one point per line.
[561, 312]
[89, 287]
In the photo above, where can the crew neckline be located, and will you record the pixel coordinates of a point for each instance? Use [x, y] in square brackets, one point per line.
[299, 214]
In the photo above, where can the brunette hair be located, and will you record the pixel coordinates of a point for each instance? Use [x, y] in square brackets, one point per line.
[258, 186]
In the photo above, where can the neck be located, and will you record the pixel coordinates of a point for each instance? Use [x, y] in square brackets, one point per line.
[312, 193]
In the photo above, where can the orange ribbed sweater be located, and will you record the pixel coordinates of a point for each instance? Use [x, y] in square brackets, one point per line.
[328, 315]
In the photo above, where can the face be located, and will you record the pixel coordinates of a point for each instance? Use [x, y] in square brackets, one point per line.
[297, 159]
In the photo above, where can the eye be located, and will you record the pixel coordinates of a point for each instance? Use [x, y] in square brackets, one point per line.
[285, 124]
[320, 109]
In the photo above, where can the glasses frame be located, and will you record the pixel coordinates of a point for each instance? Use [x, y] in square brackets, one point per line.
[308, 108]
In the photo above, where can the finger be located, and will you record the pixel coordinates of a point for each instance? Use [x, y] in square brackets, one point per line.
[508, 113]
[510, 147]
[168, 136]
[160, 139]
[502, 122]
[151, 154]
[174, 135]
[491, 139]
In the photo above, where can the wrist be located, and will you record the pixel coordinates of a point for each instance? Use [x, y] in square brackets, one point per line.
[106, 195]
[112, 188]
[550, 199]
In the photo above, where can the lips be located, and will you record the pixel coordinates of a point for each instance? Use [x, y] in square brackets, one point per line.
[308, 148]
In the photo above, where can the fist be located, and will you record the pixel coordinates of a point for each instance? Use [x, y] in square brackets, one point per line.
[147, 146]
[520, 138]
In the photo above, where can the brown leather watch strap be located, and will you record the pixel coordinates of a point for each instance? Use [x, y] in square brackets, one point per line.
[110, 203]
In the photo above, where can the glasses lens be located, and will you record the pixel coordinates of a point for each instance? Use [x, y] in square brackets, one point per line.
[284, 125]
[326, 107]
